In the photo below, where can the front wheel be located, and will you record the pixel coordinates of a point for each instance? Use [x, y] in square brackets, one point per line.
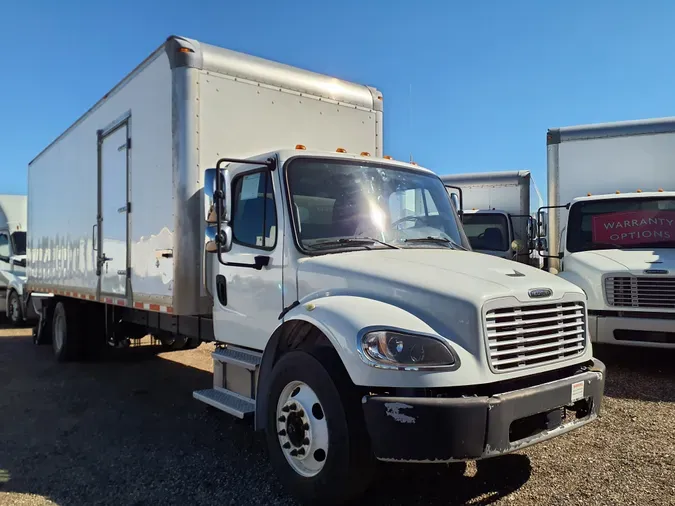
[14, 309]
[315, 430]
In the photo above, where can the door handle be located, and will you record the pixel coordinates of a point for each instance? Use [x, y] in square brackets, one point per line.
[93, 237]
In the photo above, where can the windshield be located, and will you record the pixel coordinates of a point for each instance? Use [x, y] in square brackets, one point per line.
[488, 232]
[336, 199]
[622, 223]
[19, 243]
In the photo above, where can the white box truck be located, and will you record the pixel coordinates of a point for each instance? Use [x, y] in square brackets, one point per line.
[611, 226]
[499, 211]
[225, 198]
[13, 221]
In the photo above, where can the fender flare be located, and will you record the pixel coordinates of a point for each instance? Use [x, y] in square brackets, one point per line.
[340, 318]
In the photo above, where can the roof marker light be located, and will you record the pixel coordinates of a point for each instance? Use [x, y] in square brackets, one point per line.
[617, 192]
[300, 146]
[638, 190]
[365, 153]
[387, 157]
[660, 189]
[340, 150]
[588, 194]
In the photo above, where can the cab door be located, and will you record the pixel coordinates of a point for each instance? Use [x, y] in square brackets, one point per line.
[248, 300]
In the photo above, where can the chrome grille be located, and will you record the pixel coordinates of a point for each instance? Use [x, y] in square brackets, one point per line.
[528, 336]
[641, 291]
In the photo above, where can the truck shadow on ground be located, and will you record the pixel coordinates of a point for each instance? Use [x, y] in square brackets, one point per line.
[125, 430]
[644, 374]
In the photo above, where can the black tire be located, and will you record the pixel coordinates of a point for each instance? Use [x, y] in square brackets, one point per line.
[349, 462]
[14, 309]
[67, 338]
[174, 343]
[192, 343]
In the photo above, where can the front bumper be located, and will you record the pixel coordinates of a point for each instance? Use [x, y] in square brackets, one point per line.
[434, 429]
[623, 330]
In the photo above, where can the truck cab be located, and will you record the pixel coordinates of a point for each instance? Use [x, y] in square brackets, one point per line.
[490, 231]
[13, 220]
[619, 248]
[344, 289]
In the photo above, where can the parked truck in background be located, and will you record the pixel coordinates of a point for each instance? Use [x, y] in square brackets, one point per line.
[611, 225]
[243, 202]
[499, 211]
[13, 221]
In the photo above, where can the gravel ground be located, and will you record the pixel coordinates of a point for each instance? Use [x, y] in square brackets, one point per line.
[126, 431]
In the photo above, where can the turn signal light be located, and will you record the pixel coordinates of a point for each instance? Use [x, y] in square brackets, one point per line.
[300, 146]
[184, 50]
[340, 150]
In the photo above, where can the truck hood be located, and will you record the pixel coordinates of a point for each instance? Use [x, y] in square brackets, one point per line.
[633, 260]
[401, 274]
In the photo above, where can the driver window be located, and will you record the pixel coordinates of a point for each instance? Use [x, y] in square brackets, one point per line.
[4, 247]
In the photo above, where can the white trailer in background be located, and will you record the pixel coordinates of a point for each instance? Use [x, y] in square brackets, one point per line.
[611, 192]
[13, 221]
[227, 198]
[499, 210]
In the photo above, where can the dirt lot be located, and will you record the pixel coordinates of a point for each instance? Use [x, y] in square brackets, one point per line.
[126, 431]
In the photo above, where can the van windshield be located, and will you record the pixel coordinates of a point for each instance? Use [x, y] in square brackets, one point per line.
[19, 243]
[487, 231]
[334, 201]
[624, 223]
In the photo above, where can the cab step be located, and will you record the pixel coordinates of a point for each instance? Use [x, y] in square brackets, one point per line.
[239, 357]
[226, 400]
[235, 381]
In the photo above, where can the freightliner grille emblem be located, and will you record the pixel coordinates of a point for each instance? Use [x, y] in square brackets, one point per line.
[540, 293]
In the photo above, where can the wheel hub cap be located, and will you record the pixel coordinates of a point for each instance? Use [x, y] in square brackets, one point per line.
[302, 429]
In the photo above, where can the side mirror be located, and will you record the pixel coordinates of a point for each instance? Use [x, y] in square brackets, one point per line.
[518, 246]
[542, 244]
[455, 201]
[215, 194]
[543, 224]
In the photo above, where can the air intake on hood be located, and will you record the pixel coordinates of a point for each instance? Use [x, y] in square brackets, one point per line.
[532, 335]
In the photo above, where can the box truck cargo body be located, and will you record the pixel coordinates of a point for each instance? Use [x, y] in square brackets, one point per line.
[612, 225]
[214, 196]
[143, 149]
[498, 209]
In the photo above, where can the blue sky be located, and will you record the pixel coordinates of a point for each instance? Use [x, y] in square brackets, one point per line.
[468, 85]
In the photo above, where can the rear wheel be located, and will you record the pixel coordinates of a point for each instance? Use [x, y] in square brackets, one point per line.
[315, 431]
[173, 342]
[14, 309]
[66, 335]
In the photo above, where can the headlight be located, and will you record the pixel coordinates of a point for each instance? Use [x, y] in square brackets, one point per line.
[396, 349]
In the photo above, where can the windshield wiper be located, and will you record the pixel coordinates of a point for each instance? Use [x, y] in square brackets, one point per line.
[356, 241]
[442, 240]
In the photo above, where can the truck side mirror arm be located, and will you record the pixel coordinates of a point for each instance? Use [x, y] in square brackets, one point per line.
[223, 239]
[539, 224]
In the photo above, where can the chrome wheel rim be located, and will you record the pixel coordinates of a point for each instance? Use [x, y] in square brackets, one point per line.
[302, 429]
